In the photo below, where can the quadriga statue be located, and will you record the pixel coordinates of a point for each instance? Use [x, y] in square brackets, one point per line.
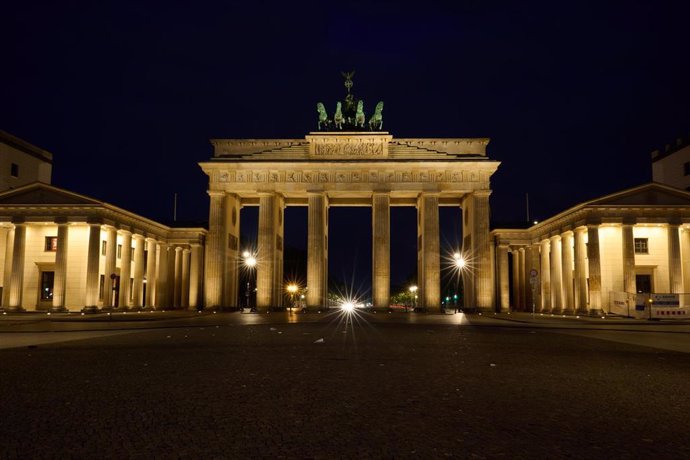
[338, 117]
[359, 116]
[323, 116]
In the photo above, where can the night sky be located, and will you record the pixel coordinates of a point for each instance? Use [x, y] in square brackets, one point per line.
[574, 96]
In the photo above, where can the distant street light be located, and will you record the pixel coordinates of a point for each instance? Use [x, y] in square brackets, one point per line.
[413, 292]
[250, 263]
[292, 289]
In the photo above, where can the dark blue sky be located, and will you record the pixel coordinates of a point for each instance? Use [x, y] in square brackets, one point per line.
[573, 95]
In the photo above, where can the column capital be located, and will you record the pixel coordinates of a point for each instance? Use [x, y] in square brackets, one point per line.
[555, 237]
[580, 230]
[481, 193]
[137, 236]
[216, 193]
[177, 248]
[521, 249]
[124, 232]
[567, 233]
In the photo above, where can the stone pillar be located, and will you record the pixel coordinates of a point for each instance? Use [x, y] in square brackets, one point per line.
[685, 256]
[17, 276]
[503, 283]
[162, 301]
[138, 284]
[556, 279]
[483, 272]
[522, 279]
[594, 270]
[60, 280]
[580, 273]
[381, 249]
[231, 249]
[269, 280]
[317, 252]
[674, 267]
[629, 283]
[110, 253]
[516, 279]
[195, 276]
[177, 278]
[125, 269]
[545, 276]
[429, 271]
[184, 280]
[151, 258]
[567, 273]
[213, 273]
[92, 267]
[7, 274]
[535, 291]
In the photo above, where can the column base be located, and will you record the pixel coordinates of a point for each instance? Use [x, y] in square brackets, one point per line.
[12, 309]
[58, 310]
[596, 312]
[90, 309]
[569, 311]
[581, 311]
[556, 311]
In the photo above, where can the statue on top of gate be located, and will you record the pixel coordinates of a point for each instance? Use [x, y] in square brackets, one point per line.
[349, 114]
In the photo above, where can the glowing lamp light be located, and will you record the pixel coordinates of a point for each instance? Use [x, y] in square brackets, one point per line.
[348, 307]
[246, 254]
[250, 261]
[292, 288]
[459, 260]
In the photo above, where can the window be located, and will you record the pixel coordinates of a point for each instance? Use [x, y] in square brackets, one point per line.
[119, 251]
[686, 168]
[641, 246]
[47, 282]
[101, 286]
[14, 170]
[51, 244]
[104, 246]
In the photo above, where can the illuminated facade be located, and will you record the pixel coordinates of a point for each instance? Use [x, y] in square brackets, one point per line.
[633, 241]
[63, 251]
[329, 169]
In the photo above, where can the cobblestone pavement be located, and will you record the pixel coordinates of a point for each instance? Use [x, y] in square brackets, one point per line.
[332, 387]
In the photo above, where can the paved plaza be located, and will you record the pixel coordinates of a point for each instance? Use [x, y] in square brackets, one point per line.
[331, 385]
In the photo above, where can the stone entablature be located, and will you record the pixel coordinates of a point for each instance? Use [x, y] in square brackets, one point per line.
[350, 146]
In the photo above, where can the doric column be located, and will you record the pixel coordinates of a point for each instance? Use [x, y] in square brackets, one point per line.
[594, 270]
[429, 271]
[151, 258]
[195, 276]
[685, 256]
[580, 250]
[60, 280]
[184, 281]
[213, 276]
[162, 300]
[270, 252]
[629, 283]
[674, 268]
[317, 251]
[231, 249]
[93, 259]
[138, 284]
[545, 276]
[529, 266]
[381, 249]
[516, 279]
[503, 282]
[567, 272]
[556, 279]
[125, 269]
[177, 277]
[521, 279]
[535, 291]
[7, 274]
[481, 250]
[110, 254]
[17, 277]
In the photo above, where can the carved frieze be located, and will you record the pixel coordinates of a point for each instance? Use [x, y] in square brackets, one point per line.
[324, 176]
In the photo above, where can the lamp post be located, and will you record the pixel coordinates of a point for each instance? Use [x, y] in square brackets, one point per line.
[461, 265]
[249, 263]
[413, 293]
[292, 289]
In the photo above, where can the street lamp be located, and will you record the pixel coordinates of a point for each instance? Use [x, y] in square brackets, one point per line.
[413, 292]
[292, 289]
[459, 260]
[250, 263]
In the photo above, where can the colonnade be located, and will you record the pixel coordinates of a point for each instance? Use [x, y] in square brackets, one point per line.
[223, 253]
[568, 267]
[152, 273]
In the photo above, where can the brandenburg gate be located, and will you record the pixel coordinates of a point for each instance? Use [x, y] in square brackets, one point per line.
[347, 168]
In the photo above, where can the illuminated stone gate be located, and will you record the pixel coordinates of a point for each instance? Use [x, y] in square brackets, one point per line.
[328, 169]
